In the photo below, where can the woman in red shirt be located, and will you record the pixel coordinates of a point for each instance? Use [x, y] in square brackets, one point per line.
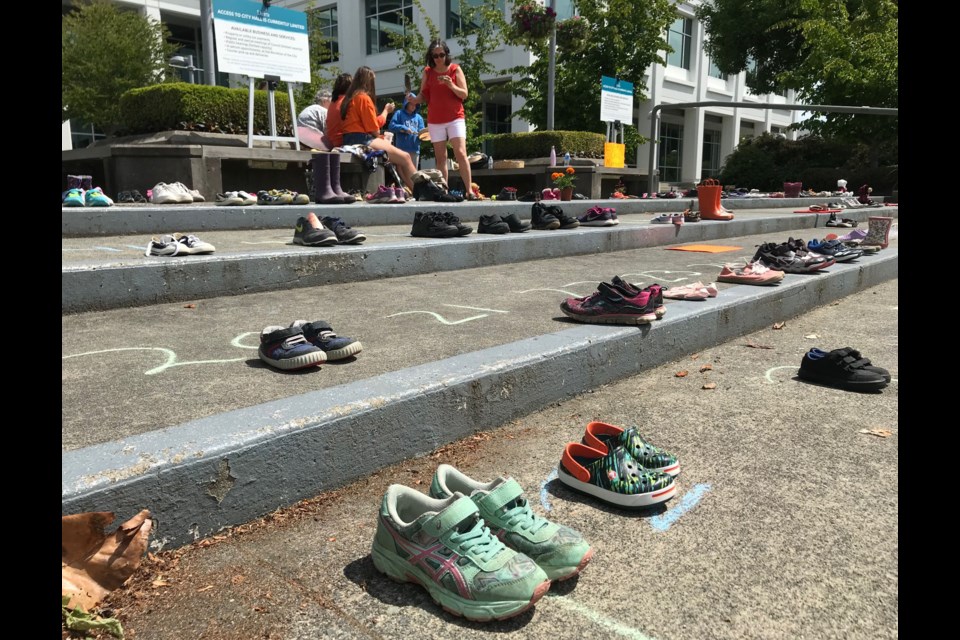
[361, 124]
[443, 88]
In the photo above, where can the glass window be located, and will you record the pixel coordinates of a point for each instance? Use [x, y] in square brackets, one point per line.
[384, 17]
[455, 22]
[710, 166]
[751, 71]
[565, 9]
[496, 119]
[714, 72]
[324, 26]
[671, 151]
[83, 134]
[680, 36]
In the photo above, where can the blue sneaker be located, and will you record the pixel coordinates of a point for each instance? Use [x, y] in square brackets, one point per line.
[286, 348]
[96, 198]
[73, 198]
[320, 334]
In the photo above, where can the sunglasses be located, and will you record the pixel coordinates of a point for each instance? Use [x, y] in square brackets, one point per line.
[439, 55]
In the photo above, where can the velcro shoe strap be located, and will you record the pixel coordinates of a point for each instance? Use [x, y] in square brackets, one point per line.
[502, 495]
[282, 334]
[453, 515]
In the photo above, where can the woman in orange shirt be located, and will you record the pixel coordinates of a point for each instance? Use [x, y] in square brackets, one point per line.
[334, 129]
[361, 124]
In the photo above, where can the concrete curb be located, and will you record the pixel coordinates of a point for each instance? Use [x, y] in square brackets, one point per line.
[106, 286]
[202, 476]
[130, 220]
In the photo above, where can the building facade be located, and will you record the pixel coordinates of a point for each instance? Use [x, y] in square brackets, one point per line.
[692, 142]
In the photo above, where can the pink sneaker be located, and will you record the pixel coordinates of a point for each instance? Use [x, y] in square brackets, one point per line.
[750, 273]
[547, 194]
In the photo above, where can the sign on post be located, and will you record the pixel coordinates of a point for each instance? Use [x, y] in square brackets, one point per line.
[256, 41]
[616, 100]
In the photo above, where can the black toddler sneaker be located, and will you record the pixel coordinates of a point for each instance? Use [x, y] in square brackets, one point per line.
[844, 369]
[566, 221]
[515, 223]
[541, 219]
[490, 223]
[429, 224]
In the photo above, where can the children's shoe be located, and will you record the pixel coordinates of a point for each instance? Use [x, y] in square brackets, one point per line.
[655, 290]
[507, 194]
[842, 368]
[400, 196]
[611, 305]
[430, 224]
[96, 198]
[547, 194]
[614, 477]
[73, 198]
[566, 221]
[542, 219]
[560, 551]
[597, 217]
[174, 193]
[270, 198]
[452, 220]
[344, 232]
[286, 348]
[229, 199]
[165, 245]
[491, 223]
[515, 223]
[310, 232]
[604, 437]
[383, 195]
[191, 245]
[663, 218]
[750, 273]
[445, 547]
[320, 334]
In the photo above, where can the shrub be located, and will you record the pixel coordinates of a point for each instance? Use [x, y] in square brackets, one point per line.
[194, 107]
[536, 144]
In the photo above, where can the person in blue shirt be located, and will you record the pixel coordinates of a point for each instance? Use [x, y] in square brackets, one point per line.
[406, 125]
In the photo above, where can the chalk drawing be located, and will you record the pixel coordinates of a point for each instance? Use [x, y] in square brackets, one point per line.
[769, 374]
[598, 618]
[170, 363]
[687, 502]
[238, 341]
[543, 489]
[663, 276]
[443, 320]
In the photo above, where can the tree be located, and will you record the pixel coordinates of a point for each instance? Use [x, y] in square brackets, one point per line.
[831, 52]
[623, 38]
[106, 51]
[322, 54]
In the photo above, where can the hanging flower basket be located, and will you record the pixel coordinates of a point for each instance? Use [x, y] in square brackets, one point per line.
[572, 34]
[532, 22]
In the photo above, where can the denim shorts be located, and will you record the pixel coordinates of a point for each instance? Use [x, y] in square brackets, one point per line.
[357, 138]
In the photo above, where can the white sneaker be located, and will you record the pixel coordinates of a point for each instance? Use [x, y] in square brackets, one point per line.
[186, 194]
[192, 244]
[230, 199]
[248, 199]
[164, 193]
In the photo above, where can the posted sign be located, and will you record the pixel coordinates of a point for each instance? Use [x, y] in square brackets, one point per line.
[616, 100]
[255, 41]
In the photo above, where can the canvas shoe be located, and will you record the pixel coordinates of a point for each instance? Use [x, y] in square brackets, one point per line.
[604, 437]
[191, 245]
[541, 219]
[320, 334]
[782, 257]
[286, 348]
[515, 223]
[614, 477]
[560, 551]
[269, 198]
[73, 198]
[344, 232]
[165, 245]
[445, 547]
[429, 224]
[96, 198]
[611, 305]
[163, 193]
[596, 217]
[310, 232]
[491, 223]
[842, 368]
[229, 199]
[750, 273]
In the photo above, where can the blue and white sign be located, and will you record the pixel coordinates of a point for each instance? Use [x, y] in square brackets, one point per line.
[616, 100]
[256, 41]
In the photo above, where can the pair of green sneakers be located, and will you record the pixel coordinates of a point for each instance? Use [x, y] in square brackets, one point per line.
[476, 547]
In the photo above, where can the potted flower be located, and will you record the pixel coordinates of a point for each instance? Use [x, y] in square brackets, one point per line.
[565, 180]
[532, 21]
[572, 34]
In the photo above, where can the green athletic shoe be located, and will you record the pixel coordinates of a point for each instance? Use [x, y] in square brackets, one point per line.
[444, 546]
[560, 551]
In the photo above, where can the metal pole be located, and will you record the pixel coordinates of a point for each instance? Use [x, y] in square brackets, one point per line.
[552, 72]
[206, 39]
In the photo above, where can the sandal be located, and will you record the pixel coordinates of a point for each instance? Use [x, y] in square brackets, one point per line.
[694, 291]
[691, 216]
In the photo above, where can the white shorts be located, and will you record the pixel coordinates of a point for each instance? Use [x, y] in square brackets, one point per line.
[448, 130]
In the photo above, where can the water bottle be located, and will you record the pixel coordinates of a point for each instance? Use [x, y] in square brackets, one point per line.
[553, 156]
[566, 159]
[489, 162]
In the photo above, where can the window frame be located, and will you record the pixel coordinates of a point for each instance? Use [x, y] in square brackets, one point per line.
[686, 42]
[372, 14]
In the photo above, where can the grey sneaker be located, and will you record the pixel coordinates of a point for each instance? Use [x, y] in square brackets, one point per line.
[310, 232]
[345, 234]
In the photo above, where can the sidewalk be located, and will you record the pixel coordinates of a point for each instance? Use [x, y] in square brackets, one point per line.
[785, 524]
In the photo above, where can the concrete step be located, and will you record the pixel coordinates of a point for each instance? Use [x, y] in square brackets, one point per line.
[167, 405]
[107, 272]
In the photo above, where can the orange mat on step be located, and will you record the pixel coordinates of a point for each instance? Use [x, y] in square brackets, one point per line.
[705, 248]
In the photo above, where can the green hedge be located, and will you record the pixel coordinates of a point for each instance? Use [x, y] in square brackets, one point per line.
[195, 107]
[536, 144]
